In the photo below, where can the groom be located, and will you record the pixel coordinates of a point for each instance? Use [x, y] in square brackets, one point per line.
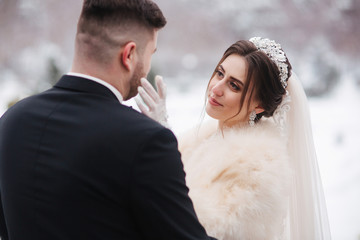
[77, 164]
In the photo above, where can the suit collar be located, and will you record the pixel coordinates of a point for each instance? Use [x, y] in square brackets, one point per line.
[81, 84]
[102, 82]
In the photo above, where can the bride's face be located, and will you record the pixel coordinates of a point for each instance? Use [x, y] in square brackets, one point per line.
[225, 91]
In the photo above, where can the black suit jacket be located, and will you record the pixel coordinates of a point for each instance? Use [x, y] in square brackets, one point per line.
[77, 164]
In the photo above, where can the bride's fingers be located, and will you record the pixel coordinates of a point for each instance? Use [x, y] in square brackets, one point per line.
[146, 98]
[160, 86]
[149, 89]
[141, 106]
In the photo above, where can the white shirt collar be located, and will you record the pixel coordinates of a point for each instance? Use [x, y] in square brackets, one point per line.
[102, 82]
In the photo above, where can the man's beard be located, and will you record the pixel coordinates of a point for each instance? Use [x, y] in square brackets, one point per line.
[135, 81]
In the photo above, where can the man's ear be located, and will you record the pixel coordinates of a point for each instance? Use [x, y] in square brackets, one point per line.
[127, 56]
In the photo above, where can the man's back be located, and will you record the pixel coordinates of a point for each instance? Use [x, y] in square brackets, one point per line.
[76, 164]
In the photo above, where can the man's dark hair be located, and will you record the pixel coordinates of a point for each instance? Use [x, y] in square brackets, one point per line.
[102, 24]
[114, 12]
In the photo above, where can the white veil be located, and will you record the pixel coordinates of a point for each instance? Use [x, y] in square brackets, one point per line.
[307, 216]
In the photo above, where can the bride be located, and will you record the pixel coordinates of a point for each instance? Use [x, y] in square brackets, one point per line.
[254, 174]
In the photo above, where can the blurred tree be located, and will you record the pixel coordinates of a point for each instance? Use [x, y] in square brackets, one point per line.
[328, 76]
[202, 28]
[54, 72]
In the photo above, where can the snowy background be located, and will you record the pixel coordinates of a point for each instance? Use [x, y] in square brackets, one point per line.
[321, 38]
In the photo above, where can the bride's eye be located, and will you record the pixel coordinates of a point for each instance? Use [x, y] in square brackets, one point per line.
[234, 86]
[219, 74]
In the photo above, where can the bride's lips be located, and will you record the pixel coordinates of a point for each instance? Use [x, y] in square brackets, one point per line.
[213, 102]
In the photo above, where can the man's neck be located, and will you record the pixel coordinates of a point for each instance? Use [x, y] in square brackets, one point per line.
[97, 71]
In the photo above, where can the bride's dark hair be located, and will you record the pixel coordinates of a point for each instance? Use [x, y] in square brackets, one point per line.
[262, 82]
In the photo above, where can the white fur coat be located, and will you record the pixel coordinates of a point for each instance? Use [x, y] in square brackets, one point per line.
[238, 180]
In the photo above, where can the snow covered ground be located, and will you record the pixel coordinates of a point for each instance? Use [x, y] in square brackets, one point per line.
[336, 134]
[337, 138]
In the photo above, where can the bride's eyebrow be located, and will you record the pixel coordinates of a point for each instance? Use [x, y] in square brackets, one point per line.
[221, 68]
[231, 77]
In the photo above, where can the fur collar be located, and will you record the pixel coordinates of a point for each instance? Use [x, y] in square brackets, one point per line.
[238, 180]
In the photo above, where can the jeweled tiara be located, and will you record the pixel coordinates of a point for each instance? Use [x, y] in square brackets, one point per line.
[275, 53]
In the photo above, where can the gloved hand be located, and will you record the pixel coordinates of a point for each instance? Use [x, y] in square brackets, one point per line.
[155, 107]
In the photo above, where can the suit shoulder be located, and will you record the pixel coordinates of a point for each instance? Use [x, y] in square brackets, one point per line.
[137, 123]
[19, 107]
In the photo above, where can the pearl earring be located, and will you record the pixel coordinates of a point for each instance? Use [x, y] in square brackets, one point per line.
[252, 118]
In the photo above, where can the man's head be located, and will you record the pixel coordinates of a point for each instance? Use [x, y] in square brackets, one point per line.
[116, 39]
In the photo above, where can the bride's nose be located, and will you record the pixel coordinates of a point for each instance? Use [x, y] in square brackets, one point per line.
[217, 89]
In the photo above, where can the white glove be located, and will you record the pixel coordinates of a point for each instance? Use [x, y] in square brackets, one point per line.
[155, 107]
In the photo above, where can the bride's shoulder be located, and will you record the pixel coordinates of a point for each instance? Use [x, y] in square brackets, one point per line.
[264, 139]
[264, 130]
